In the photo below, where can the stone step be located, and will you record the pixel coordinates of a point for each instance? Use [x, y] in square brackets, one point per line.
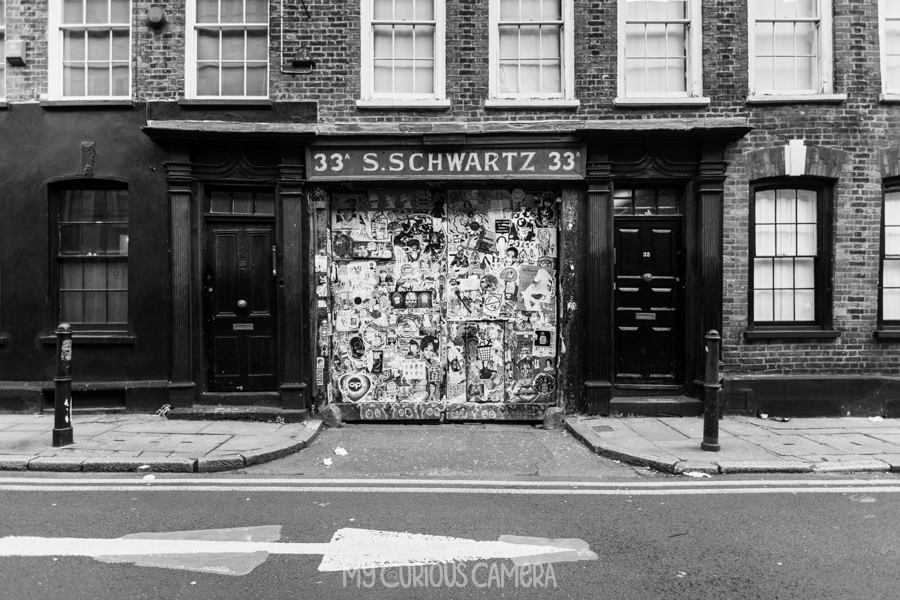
[238, 413]
[656, 406]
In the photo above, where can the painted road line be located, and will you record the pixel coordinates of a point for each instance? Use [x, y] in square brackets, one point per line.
[349, 549]
[137, 487]
[162, 479]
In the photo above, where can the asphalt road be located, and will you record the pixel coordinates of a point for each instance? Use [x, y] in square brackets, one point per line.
[655, 537]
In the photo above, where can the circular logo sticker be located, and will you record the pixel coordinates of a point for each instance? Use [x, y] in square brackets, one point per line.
[492, 303]
[544, 383]
[355, 386]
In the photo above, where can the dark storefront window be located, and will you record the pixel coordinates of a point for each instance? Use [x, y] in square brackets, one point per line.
[92, 256]
[242, 202]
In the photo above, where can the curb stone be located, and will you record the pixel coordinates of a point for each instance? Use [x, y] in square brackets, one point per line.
[850, 466]
[14, 462]
[272, 452]
[131, 465]
[220, 463]
[593, 441]
[765, 466]
[55, 463]
[696, 467]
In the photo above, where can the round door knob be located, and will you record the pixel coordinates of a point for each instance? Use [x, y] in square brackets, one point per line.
[242, 304]
[647, 277]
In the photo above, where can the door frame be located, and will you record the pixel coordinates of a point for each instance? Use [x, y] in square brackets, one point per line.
[679, 366]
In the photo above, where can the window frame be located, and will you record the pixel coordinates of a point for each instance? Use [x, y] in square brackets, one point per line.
[566, 97]
[693, 61]
[55, 85]
[885, 328]
[368, 97]
[190, 54]
[823, 282]
[56, 194]
[3, 68]
[887, 89]
[825, 65]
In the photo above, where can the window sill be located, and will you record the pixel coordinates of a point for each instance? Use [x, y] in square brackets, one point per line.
[887, 334]
[889, 98]
[226, 102]
[116, 338]
[796, 98]
[651, 102]
[86, 102]
[791, 334]
[530, 103]
[389, 104]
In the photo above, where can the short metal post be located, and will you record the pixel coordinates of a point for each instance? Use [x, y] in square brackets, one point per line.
[62, 427]
[711, 390]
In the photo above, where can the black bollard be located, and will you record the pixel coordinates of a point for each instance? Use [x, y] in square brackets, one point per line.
[62, 427]
[711, 389]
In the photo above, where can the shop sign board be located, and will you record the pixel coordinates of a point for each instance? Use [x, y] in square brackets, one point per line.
[557, 162]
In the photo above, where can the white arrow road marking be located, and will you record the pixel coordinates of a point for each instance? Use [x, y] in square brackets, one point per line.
[237, 551]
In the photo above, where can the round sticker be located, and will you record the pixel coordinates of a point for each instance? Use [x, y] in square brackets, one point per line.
[544, 383]
[492, 303]
[509, 274]
[355, 386]
[518, 194]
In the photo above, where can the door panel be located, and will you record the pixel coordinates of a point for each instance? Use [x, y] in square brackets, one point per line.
[648, 301]
[241, 324]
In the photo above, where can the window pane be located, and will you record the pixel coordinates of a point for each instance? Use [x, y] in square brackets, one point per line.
[891, 277]
[117, 275]
[786, 240]
[232, 44]
[805, 273]
[550, 42]
[551, 10]
[634, 41]
[893, 74]
[892, 209]
[657, 11]
[424, 42]
[98, 80]
[94, 275]
[117, 240]
[678, 9]
[384, 41]
[70, 239]
[892, 9]
[70, 307]
[509, 42]
[220, 202]
[73, 81]
[656, 40]
[765, 206]
[509, 78]
[94, 307]
[243, 203]
[207, 44]
[783, 273]
[765, 42]
[636, 10]
[675, 41]
[765, 74]
[806, 240]
[120, 45]
[403, 42]
[403, 77]
[765, 240]
[785, 206]
[232, 11]
[529, 41]
[93, 239]
[656, 75]
[232, 80]
[70, 209]
[98, 45]
[551, 77]
[403, 10]
[634, 76]
[117, 307]
[257, 45]
[784, 305]
[384, 10]
[265, 203]
[424, 10]
[762, 273]
[804, 305]
[207, 11]
[890, 307]
[93, 205]
[73, 11]
[97, 11]
[207, 79]
[71, 276]
[762, 305]
[806, 206]
[121, 11]
[257, 84]
[73, 45]
[383, 77]
[784, 39]
[120, 79]
[257, 11]
[676, 80]
[425, 78]
[892, 241]
[529, 77]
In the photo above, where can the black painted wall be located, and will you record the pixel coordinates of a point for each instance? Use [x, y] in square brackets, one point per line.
[41, 145]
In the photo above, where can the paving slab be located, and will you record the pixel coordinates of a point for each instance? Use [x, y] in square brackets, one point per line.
[655, 430]
[240, 428]
[240, 443]
[161, 425]
[891, 459]
[851, 466]
[113, 440]
[787, 445]
[736, 449]
[855, 443]
[186, 442]
[36, 425]
[24, 442]
[735, 427]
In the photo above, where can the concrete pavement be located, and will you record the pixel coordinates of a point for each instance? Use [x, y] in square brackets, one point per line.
[115, 442]
[124, 442]
[748, 444]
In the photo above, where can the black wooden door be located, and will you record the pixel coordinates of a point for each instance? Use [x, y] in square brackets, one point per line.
[649, 318]
[241, 320]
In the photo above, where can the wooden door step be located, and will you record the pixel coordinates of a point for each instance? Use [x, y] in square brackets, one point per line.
[657, 406]
[238, 413]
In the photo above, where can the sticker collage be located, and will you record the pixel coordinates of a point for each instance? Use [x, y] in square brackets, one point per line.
[439, 296]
